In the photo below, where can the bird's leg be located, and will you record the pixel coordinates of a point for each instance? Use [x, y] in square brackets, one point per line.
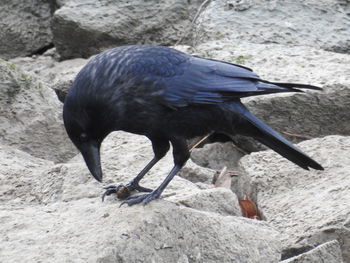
[160, 148]
[146, 198]
[132, 185]
[181, 155]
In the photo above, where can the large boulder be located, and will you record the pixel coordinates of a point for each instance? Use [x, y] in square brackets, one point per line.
[25, 27]
[84, 28]
[308, 207]
[322, 24]
[59, 215]
[31, 116]
[86, 230]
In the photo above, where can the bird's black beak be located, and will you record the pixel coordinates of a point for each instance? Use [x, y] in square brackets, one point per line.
[91, 154]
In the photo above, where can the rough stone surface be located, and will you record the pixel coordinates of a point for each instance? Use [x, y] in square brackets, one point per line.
[308, 207]
[197, 174]
[31, 116]
[322, 24]
[84, 28]
[25, 27]
[66, 220]
[57, 75]
[52, 212]
[276, 62]
[87, 231]
[19, 174]
[329, 252]
[217, 155]
[220, 200]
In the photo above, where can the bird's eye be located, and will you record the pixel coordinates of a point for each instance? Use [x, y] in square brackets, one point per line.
[83, 137]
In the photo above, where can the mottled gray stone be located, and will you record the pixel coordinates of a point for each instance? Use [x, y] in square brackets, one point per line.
[25, 27]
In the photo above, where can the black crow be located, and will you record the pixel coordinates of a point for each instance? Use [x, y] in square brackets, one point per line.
[168, 96]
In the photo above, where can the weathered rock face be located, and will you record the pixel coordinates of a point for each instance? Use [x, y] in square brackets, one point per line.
[31, 116]
[57, 75]
[77, 225]
[308, 207]
[329, 252]
[19, 174]
[283, 63]
[322, 24]
[53, 211]
[88, 231]
[25, 27]
[84, 28]
[217, 155]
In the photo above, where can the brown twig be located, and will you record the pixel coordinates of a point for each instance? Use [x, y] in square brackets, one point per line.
[193, 21]
[198, 143]
[297, 135]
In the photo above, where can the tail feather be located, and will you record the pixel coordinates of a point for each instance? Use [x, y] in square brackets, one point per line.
[267, 136]
[294, 85]
[267, 87]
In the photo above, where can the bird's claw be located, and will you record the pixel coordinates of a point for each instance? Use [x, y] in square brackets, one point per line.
[112, 189]
[145, 198]
[123, 191]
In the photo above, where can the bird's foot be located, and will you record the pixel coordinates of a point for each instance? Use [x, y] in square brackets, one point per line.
[124, 191]
[145, 198]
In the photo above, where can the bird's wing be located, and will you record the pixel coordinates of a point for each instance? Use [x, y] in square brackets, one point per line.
[206, 81]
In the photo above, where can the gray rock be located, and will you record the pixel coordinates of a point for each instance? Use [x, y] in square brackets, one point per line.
[25, 27]
[18, 175]
[284, 63]
[105, 24]
[322, 24]
[57, 75]
[217, 155]
[59, 215]
[308, 207]
[197, 174]
[219, 200]
[31, 116]
[87, 231]
[328, 252]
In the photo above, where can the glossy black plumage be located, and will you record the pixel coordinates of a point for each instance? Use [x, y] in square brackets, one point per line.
[168, 96]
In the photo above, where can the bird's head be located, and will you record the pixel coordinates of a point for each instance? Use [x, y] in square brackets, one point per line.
[87, 128]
